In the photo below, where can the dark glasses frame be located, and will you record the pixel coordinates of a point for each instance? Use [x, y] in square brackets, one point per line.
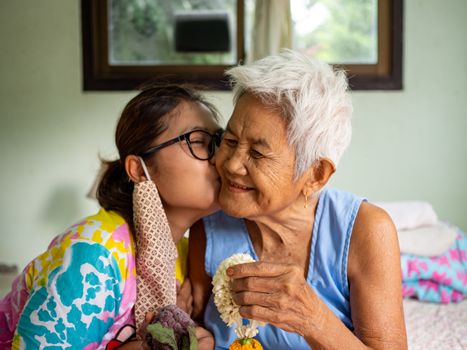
[216, 139]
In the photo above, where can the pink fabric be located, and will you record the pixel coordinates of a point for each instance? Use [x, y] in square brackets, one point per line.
[438, 279]
[10, 310]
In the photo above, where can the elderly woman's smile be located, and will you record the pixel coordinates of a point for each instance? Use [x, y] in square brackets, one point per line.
[237, 188]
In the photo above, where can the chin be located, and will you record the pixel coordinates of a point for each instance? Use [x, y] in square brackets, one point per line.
[231, 207]
[211, 206]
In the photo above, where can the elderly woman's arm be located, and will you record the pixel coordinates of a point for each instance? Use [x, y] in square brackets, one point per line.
[375, 281]
[279, 294]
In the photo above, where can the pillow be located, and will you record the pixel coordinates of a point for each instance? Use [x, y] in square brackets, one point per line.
[428, 240]
[410, 214]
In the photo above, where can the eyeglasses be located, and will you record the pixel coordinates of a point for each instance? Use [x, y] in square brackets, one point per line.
[201, 143]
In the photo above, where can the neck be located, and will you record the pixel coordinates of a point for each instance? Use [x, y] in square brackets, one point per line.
[289, 230]
[180, 220]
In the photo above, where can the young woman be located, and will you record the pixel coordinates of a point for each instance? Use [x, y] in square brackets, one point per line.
[82, 291]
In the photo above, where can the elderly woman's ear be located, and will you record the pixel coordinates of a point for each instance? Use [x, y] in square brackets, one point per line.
[319, 175]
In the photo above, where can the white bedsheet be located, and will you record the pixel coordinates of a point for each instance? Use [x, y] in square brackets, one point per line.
[436, 327]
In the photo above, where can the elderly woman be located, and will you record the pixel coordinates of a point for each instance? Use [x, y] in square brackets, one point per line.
[327, 274]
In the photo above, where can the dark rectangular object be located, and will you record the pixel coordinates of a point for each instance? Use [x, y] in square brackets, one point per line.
[202, 31]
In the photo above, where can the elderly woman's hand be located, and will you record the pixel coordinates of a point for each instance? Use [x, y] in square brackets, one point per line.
[276, 294]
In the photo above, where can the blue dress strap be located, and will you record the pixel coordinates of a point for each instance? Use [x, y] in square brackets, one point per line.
[221, 231]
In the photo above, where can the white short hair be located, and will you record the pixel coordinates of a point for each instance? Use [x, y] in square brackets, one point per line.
[312, 97]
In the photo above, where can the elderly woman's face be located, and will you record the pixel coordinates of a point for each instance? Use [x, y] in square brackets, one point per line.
[255, 162]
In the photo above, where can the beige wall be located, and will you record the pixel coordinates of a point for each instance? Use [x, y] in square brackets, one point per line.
[408, 144]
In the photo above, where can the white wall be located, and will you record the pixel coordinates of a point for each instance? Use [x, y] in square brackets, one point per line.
[408, 144]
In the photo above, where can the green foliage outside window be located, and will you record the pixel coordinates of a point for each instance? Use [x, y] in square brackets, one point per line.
[349, 34]
[141, 32]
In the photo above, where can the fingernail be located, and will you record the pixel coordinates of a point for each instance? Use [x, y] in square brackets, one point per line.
[229, 271]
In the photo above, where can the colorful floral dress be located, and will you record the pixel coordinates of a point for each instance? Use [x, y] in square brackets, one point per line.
[80, 293]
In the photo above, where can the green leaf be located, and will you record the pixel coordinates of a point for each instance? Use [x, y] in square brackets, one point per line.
[193, 339]
[246, 341]
[185, 343]
[163, 335]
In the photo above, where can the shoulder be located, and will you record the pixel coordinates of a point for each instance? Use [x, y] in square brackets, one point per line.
[341, 204]
[221, 221]
[95, 239]
[106, 228]
[373, 241]
[220, 230]
[111, 232]
[372, 225]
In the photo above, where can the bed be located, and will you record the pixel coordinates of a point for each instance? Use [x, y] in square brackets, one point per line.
[434, 276]
[436, 326]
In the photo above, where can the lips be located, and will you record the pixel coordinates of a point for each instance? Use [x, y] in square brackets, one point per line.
[238, 188]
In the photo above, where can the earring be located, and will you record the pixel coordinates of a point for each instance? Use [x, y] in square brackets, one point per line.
[306, 201]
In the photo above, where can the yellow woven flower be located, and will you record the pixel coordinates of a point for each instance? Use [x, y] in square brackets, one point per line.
[246, 344]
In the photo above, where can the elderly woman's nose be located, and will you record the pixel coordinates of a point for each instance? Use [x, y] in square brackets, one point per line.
[234, 163]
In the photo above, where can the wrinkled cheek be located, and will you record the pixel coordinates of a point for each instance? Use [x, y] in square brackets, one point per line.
[227, 200]
[262, 201]
[244, 203]
[225, 195]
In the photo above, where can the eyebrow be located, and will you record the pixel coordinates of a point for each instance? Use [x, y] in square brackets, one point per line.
[261, 142]
[192, 128]
[257, 141]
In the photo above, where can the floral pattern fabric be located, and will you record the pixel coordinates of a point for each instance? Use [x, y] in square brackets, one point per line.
[438, 279]
[76, 295]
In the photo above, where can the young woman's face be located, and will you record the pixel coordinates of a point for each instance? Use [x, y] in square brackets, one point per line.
[183, 181]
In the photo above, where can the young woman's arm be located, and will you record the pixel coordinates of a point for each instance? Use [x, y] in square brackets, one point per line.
[75, 302]
[200, 280]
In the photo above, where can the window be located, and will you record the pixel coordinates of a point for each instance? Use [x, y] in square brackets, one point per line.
[127, 42]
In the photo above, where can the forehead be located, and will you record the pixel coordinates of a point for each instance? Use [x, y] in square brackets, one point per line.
[252, 119]
[189, 115]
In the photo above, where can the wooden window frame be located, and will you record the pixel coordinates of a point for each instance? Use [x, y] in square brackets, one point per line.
[98, 74]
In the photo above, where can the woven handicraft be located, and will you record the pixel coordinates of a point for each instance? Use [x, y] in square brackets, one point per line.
[156, 252]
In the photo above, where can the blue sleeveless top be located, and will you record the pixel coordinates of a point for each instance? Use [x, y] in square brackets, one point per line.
[327, 271]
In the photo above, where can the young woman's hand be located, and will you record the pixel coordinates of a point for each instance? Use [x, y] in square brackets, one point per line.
[205, 342]
[205, 339]
[133, 345]
[185, 297]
